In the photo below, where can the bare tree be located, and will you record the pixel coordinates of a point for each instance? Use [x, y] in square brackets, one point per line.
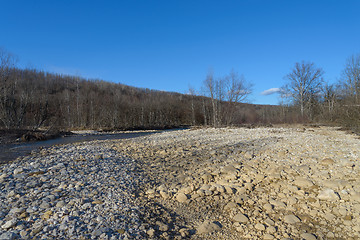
[210, 86]
[329, 97]
[237, 90]
[304, 84]
[192, 94]
[348, 111]
[7, 89]
[351, 77]
[225, 93]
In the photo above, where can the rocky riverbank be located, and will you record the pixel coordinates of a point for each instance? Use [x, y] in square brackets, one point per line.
[263, 183]
[76, 191]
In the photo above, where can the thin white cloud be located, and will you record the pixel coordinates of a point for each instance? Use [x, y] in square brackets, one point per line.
[271, 91]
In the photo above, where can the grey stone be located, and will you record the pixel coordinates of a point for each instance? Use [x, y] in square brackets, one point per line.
[8, 236]
[16, 210]
[24, 234]
[18, 170]
[9, 224]
[97, 232]
[60, 204]
[45, 205]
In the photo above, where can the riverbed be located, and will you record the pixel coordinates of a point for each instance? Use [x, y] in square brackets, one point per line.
[225, 183]
[9, 152]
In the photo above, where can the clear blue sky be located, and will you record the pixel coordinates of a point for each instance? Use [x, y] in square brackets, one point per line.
[171, 44]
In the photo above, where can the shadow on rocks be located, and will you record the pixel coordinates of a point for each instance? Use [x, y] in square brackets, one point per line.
[162, 222]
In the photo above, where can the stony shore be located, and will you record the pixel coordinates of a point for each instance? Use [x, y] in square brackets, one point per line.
[263, 183]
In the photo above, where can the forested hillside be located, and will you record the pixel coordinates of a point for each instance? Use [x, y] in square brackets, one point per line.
[33, 99]
[30, 99]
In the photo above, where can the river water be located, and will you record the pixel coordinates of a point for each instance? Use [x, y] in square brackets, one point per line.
[9, 152]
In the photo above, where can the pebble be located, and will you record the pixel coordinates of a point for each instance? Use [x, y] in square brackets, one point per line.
[230, 205]
[8, 236]
[260, 227]
[184, 232]
[268, 236]
[60, 204]
[291, 219]
[327, 161]
[50, 187]
[164, 195]
[328, 195]
[303, 182]
[150, 232]
[181, 197]
[162, 226]
[208, 227]
[9, 224]
[355, 197]
[262, 179]
[308, 236]
[269, 222]
[241, 218]
[268, 207]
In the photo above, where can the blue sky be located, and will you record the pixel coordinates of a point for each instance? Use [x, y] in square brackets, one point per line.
[170, 45]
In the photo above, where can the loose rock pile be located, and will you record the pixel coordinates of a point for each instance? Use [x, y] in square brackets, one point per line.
[79, 191]
[264, 183]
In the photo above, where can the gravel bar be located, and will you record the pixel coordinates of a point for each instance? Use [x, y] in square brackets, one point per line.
[75, 191]
[294, 182]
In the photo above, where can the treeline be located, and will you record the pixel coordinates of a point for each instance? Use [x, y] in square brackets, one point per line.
[34, 99]
[317, 101]
[30, 99]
